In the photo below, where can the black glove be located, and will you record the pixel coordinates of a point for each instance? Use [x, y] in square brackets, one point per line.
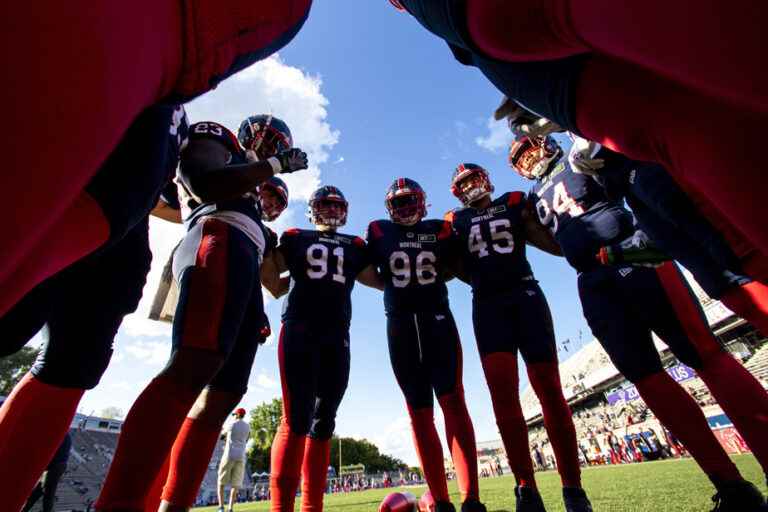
[290, 160]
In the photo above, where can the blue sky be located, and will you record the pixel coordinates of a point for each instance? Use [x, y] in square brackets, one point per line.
[371, 96]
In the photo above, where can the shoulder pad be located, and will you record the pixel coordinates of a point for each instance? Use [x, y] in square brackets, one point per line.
[515, 198]
[358, 241]
[445, 231]
[291, 232]
[374, 230]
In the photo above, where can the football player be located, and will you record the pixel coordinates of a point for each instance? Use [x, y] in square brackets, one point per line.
[112, 64]
[621, 104]
[671, 219]
[314, 343]
[219, 314]
[623, 304]
[511, 314]
[82, 308]
[411, 255]
[195, 443]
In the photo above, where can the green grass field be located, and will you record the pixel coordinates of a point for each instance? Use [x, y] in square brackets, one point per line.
[666, 486]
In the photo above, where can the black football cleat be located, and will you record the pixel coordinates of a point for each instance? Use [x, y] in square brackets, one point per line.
[473, 506]
[575, 500]
[739, 496]
[528, 500]
[444, 506]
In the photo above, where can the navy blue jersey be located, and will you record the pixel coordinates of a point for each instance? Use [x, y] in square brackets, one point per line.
[247, 205]
[580, 215]
[546, 88]
[323, 268]
[411, 260]
[492, 244]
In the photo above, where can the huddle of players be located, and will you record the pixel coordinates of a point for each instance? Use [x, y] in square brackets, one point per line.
[225, 194]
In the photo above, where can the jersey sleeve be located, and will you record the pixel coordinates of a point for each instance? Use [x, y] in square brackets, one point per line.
[288, 242]
[271, 239]
[363, 252]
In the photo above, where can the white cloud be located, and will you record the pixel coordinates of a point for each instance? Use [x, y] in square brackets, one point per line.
[153, 353]
[396, 440]
[498, 137]
[271, 86]
[265, 381]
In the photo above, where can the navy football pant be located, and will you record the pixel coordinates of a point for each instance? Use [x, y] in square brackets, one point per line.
[425, 352]
[314, 371]
[114, 63]
[520, 320]
[220, 307]
[314, 368]
[81, 308]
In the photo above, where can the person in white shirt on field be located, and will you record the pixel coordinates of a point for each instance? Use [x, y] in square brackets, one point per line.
[232, 465]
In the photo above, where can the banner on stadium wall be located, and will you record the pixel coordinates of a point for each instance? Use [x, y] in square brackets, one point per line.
[679, 372]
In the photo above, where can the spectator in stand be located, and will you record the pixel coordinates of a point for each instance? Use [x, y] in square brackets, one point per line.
[232, 465]
[46, 487]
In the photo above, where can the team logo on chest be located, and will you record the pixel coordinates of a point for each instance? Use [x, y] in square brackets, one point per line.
[490, 213]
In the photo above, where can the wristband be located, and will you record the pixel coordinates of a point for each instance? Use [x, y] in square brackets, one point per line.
[274, 162]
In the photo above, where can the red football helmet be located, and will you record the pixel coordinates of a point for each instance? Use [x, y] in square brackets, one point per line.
[406, 202]
[328, 207]
[470, 182]
[532, 158]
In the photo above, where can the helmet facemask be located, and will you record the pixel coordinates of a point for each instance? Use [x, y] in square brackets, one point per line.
[406, 208]
[329, 212]
[532, 158]
[472, 187]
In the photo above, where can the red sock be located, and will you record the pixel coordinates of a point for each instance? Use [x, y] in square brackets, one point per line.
[287, 456]
[190, 456]
[314, 473]
[461, 441]
[501, 374]
[33, 422]
[558, 421]
[679, 413]
[80, 230]
[145, 441]
[430, 451]
[750, 302]
[743, 400]
[152, 502]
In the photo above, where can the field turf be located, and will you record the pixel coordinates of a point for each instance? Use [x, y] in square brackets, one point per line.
[665, 486]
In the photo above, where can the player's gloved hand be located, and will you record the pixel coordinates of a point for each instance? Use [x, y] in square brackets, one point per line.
[290, 160]
[581, 163]
[540, 127]
[637, 250]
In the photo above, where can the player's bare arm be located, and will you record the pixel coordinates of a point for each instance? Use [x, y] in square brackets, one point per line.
[369, 276]
[210, 178]
[537, 235]
[163, 210]
[271, 268]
